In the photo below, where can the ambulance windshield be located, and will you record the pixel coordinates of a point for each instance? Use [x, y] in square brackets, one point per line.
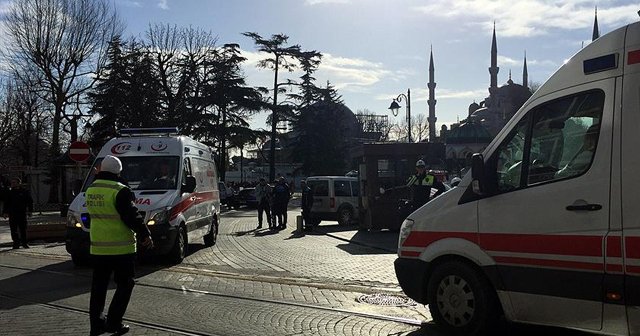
[146, 173]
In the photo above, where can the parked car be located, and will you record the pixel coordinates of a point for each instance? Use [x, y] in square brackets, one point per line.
[334, 198]
[247, 197]
[227, 196]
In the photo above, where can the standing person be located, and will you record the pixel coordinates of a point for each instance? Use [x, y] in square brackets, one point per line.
[115, 221]
[18, 204]
[281, 196]
[421, 184]
[263, 192]
[306, 204]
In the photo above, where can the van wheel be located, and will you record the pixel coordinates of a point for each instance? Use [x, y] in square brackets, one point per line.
[461, 300]
[211, 237]
[345, 216]
[179, 250]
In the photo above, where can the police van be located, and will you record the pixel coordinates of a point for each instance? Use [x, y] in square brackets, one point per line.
[175, 182]
[546, 227]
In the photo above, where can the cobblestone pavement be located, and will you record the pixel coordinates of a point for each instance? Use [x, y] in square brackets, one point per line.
[250, 278]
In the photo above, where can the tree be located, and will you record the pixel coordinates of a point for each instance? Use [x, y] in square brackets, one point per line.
[127, 93]
[281, 59]
[225, 90]
[65, 41]
[180, 57]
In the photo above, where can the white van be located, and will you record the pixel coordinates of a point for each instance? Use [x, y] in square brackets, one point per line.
[334, 198]
[175, 182]
[546, 227]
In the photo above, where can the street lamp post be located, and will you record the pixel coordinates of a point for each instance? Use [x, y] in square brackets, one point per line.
[394, 107]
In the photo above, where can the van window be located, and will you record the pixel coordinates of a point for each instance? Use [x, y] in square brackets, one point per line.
[556, 140]
[149, 173]
[319, 188]
[355, 188]
[342, 188]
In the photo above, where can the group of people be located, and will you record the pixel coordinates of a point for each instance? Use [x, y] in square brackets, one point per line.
[17, 204]
[273, 201]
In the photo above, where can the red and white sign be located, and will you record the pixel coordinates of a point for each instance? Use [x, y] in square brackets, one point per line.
[79, 151]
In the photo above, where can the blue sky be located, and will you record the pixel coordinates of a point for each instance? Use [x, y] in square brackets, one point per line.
[375, 49]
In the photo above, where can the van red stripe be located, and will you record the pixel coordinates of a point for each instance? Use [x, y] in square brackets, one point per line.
[590, 246]
[614, 246]
[632, 247]
[188, 203]
[614, 268]
[409, 254]
[550, 263]
[424, 238]
[633, 269]
[633, 57]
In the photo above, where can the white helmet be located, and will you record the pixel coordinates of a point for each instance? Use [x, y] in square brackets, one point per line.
[420, 163]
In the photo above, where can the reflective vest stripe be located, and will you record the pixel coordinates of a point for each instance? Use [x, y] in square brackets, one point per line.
[99, 216]
[105, 185]
[426, 181]
[119, 243]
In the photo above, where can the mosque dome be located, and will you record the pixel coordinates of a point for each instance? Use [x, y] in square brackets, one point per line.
[473, 107]
[470, 132]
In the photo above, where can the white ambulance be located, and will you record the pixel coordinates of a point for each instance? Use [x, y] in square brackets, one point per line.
[546, 227]
[175, 182]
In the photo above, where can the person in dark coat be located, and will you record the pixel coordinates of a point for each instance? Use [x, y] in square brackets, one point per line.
[306, 204]
[18, 204]
[281, 196]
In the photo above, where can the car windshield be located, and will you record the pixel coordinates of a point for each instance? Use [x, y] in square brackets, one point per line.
[145, 172]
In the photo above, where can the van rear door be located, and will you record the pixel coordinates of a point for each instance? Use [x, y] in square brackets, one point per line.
[545, 220]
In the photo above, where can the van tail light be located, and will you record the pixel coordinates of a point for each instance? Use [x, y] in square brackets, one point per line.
[332, 202]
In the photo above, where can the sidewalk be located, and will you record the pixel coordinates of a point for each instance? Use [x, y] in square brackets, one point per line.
[46, 225]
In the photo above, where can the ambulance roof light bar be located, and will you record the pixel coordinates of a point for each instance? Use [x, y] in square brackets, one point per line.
[159, 131]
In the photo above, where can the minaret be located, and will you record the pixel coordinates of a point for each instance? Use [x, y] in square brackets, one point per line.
[596, 31]
[432, 101]
[493, 70]
[525, 74]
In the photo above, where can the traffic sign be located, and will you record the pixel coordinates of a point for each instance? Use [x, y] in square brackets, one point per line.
[79, 151]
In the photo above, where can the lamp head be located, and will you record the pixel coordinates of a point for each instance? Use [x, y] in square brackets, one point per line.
[394, 107]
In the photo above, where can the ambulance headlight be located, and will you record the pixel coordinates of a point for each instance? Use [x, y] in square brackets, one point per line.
[159, 217]
[73, 220]
[405, 229]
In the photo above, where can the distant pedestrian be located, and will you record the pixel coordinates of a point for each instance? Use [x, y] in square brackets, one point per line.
[281, 196]
[263, 193]
[115, 221]
[18, 204]
[306, 204]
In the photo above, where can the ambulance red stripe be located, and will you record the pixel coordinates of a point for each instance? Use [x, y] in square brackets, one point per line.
[188, 202]
[633, 57]
[614, 246]
[632, 247]
[550, 263]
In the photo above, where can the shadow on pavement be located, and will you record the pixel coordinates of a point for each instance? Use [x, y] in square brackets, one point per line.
[356, 249]
[50, 283]
[505, 329]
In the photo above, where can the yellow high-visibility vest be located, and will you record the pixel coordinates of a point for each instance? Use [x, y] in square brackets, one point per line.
[426, 181]
[109, 235]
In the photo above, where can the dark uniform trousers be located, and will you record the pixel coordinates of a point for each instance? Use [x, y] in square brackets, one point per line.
[18, 226]
[123, 269]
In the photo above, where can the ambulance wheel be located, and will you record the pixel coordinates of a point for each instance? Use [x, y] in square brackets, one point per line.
[211, 237]
[461, 300]
[179, 250]
[345, 215]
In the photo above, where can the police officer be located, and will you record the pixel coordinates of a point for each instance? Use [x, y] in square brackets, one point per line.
[306, 204]
[114, 224]
[17, 205]
[421, 184]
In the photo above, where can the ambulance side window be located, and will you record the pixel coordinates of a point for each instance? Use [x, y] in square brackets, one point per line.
[509, 158]
[555, 140]
[186, 170]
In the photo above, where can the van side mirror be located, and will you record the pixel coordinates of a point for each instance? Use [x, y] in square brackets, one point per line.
[190, 185]
[478, 182]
